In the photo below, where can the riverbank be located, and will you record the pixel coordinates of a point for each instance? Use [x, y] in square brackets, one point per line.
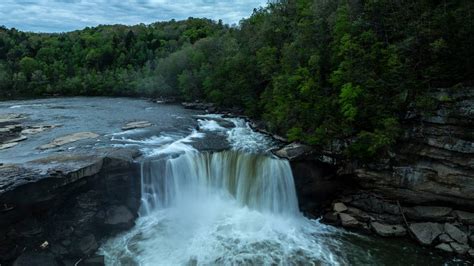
[424, 190]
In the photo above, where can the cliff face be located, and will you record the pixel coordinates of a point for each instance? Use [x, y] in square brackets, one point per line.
[434, 161]
[424, 189]
[57, 209]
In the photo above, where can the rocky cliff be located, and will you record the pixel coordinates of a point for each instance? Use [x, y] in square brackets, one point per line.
[434, 161]
[424, 189]
[56, 210]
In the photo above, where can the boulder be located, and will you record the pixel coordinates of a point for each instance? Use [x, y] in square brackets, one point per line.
[375, 205]
[359, 214]
[445, 238]
[68, 139]
[119, 217]
[293, 151]
[455, 233]
[8, 145]
[8, 118]
[460, 249]
[465, 217]
[388, 230]
[445, 247]
[330, 218]
[471, 253]
[31, 130]
[428, 213]
[34, 258]
[17, 139]
[86, 246]
[348, 221]
[426, 233]
[137, 124]
[339, 207]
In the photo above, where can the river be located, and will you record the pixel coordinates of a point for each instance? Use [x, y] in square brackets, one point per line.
[212, 193]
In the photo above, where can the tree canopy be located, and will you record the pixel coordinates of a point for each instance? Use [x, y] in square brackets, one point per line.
[314, 70]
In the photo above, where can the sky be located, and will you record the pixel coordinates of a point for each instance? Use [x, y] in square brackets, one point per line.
[68, 15]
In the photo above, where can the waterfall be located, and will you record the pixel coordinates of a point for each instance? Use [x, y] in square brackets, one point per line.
[233, 207]
[256, 181]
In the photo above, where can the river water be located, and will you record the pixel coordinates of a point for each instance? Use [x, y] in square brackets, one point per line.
[212, 194]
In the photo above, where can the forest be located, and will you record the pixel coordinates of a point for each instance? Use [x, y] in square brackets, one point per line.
[313, 70]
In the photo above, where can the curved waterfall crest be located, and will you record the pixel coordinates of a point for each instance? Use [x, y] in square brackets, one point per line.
[256, 181]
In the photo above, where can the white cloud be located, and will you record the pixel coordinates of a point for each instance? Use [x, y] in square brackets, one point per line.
[67, 15]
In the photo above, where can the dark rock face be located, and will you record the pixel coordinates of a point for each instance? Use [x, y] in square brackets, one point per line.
[426, 233]
[119, 217]
[59, 208]
[316, 184]
[434, 162]
[31, 258]
[388, 230]
[293, 151]
[455, 233]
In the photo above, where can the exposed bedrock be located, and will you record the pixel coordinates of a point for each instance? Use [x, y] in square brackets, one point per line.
[424, 189]
[59, 208]
[434, 162]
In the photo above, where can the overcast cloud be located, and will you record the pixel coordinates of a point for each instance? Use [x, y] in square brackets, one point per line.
[67, 15]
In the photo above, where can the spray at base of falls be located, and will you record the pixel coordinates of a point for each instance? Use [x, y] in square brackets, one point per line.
[220, 208]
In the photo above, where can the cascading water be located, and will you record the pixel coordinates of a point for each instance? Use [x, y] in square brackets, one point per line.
[219, 208]
[257, 182]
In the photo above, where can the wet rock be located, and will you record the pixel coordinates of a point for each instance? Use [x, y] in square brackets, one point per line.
[471, 253]
[31, 130]
[136, 124]
[119, 217]
[293, 151]
[445, 247]
[375, 205]
[330, 218]
[69, 139]
[339, 207]
[471, 240]
[359, 214]
[388, 230]
[348, 221]
[455, 233]
[460, 249]
[197, 105]
[86, 246]
[428, 213]
[28, 228]
[8, 145]
[426, 233]
[66, 242]
[93, 261]
[465, 217]
[7, 118]
[59, 250]
[8, 249]
[445, 238]
[33, 258]
[18, 139]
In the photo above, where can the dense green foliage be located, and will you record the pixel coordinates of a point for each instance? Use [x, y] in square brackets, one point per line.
[314, 70]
